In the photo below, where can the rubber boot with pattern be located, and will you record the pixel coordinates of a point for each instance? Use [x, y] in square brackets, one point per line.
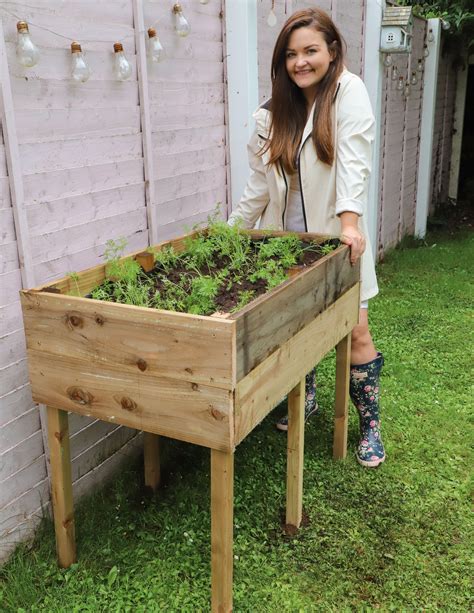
[364, 390]
[310, 404]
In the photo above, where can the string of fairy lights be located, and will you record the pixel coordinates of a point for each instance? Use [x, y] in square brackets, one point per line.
[28, 54]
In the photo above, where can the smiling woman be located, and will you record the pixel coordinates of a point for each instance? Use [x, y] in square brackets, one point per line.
[307, 61]
[311, 160]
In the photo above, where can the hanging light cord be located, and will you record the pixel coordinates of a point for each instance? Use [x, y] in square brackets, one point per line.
[69, 38]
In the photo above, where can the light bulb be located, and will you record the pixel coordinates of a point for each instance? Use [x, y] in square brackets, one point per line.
[420, 65]
[387, 60]
[122, 67]
[407, 89]
[414, 78]
[445, 24]
[426, 51]
[26, 51]
[394, 73]
[181, 26]
[80, 70]
[156, 52]
[204, 1]
[400, 84]
[272, 18]
[430, 36]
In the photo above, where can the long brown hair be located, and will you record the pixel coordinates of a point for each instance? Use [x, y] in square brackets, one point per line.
[288, 104]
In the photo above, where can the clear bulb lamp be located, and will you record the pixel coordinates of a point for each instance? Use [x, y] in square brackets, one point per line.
[27, 52]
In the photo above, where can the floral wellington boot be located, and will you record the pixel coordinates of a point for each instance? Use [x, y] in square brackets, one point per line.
[310, 404]
[364, 391]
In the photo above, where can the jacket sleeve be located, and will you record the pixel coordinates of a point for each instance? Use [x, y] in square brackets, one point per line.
[355, 137]
[256, 195]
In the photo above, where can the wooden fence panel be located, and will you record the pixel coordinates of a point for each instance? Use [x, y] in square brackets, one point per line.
[400, 137]
[443, 129]
[187, 118]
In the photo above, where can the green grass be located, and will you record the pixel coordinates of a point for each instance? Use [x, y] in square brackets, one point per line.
[392, 539]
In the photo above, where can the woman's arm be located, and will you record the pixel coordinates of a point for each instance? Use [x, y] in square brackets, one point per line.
[355, 136]
[256, 195]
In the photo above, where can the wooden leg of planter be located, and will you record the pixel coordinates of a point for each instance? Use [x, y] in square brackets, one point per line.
[222, 520]
[343, 361]
[61, 486]
[151, 449]
[295, 455]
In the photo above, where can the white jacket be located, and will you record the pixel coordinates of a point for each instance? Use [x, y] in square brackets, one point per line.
[327, 191]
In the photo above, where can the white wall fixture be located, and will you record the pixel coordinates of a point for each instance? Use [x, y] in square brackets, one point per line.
[396, 29]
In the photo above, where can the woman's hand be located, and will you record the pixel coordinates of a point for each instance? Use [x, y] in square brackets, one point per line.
[352, 236]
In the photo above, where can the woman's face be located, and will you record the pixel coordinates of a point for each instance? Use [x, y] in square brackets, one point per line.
[307, 59]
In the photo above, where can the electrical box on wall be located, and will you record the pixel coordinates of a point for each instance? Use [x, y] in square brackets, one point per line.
[397, 28]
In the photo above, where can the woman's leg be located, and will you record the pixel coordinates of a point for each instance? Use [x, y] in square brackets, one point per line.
[366, 364]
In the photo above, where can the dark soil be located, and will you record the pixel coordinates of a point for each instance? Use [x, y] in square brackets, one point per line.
[228, 298]
[229, 293]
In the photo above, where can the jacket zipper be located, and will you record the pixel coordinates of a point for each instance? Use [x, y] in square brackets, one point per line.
[286, 197]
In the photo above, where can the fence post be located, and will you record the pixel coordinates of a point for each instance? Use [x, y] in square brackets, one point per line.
[242, 87]
[373, 79]
[139, 26]
[423, 195]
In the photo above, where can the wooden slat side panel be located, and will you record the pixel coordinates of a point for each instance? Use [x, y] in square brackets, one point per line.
[260, 391]
[274, 318]
[182, 410]
[137, 341]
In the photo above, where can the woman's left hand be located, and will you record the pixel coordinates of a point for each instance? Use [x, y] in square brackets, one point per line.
[353, 237]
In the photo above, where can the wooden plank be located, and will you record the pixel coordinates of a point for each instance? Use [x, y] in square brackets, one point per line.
[144, 95]
[179, 409]
[131, 339]
[222, 510]
[61, 486]
[56, 184]
[275, 317]
[56, 215]
[20, 427]
[14, 168]
[151, 449]
[261, 390]
[90, 277]
[295, 455]
[24, 479]
[341, 417]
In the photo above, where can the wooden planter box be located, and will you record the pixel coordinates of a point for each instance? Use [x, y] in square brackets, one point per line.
[205, 380]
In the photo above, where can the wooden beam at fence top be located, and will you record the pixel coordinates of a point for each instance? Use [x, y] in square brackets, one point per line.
[142, 72]
[14, 168]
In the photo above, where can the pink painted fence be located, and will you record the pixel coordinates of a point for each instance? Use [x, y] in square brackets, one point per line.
[83, 157]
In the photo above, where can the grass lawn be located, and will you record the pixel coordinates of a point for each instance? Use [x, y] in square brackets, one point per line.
[392, 539]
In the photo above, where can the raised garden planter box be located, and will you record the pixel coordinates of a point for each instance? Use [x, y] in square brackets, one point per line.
[207, 380]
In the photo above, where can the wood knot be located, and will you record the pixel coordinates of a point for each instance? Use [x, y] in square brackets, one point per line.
[99, 320]
[79, 396]
[142, 365]
[189, 370]
[128, 404]
[218, 415]
[74, 321]
[194, 387]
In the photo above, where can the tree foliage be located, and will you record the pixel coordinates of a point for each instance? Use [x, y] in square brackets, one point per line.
[457, 14]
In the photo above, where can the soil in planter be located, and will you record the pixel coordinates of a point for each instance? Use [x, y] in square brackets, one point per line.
[220, 271]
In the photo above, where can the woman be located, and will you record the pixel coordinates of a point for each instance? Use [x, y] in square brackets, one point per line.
[310, 157]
